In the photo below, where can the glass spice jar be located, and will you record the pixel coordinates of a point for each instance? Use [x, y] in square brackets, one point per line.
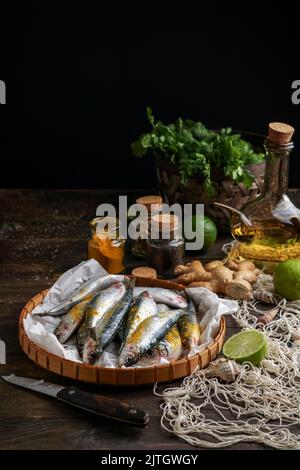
[163, 254]
[153, 204]
[105, 244]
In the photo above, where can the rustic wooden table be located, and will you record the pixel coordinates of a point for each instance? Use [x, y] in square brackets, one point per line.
[43, 233]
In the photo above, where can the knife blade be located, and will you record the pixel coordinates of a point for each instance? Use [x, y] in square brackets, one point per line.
[92, 403]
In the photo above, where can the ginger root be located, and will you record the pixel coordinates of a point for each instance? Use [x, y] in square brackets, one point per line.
[182, 269]
[246, 266]
[222, 274]
[239, 290]
[213, 264]
[235, 279]
[214, 285]
[237, 265]
[249, 276]
[196, 272]
[232, 264]
[193, 276]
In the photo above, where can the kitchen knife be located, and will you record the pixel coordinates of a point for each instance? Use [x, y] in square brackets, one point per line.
[97, 404]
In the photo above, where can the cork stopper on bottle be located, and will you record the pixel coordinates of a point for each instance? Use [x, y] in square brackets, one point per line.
[165, 222]
[280, 133]
[152, 202]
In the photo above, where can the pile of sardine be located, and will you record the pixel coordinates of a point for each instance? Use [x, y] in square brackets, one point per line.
[149, 323]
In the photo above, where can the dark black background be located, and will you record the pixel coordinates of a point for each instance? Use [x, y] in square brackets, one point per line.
[79, 78]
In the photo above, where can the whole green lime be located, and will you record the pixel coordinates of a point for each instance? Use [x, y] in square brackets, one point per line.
[287, 279]
[203, 223]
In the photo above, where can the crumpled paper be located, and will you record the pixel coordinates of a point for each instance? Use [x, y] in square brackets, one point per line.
[210, 308]
[68, 282]
[39, 329]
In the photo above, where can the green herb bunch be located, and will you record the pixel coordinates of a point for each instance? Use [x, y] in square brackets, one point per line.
[196, 150]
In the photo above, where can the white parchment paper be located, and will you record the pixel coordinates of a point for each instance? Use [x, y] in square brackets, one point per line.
[210, 308]
[40, 329]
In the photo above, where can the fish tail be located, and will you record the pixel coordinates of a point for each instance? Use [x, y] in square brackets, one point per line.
[132, 283]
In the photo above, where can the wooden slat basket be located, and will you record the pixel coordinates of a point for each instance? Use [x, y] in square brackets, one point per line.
[117, 376]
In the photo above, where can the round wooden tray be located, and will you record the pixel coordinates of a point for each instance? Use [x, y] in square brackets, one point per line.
[118, 376]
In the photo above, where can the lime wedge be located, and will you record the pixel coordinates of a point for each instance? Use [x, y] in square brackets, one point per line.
[246, 346]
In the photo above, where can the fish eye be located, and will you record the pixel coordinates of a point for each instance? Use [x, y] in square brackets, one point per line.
[80, 345]
[150, 353]
[92, 355]
[129, 360]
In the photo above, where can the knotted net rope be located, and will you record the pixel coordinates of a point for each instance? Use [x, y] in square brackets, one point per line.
[262, 405]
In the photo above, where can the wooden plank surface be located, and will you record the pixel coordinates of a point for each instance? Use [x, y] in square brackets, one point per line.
[43, 233]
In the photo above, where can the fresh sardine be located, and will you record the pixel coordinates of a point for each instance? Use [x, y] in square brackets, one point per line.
[162, 307]
[164, 296]
[71, 320]
[91, 287]
[147, 335]
[96, 309]
[169, 348]
[142, 308]
[189, 328]
[107, 327]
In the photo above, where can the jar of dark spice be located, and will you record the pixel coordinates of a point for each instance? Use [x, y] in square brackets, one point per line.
[165, 244]
[152, 204]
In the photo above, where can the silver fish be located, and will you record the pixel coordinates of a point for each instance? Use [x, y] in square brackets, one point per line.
[162, 307]
[143, 307]
[169, 348]
[71, 320]
[147, 335]
[189, 328]
[96, 309]
[107, 328]
[91, 287]
[165, 296]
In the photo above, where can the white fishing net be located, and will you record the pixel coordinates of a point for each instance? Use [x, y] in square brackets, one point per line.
[262, 405]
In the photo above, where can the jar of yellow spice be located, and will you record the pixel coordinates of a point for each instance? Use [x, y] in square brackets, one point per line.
[105, 244]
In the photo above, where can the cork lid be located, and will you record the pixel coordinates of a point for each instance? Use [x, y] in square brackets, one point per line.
[280, 133]
[152, 202]
[165, 222]
[105, 227]
[144, 271]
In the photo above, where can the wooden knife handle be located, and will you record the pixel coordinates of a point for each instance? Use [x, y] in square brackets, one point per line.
[103, 406]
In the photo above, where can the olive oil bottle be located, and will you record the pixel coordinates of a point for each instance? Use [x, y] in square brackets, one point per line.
[270, 232]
